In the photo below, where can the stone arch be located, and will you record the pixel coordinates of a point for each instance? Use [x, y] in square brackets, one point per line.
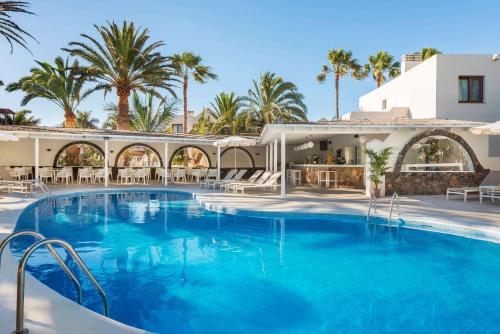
[242, 149]
[138, 144]
[190, 146]
[80, 142]
[438, 132]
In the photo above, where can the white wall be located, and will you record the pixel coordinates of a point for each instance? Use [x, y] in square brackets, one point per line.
[449, 68]
[415, 89]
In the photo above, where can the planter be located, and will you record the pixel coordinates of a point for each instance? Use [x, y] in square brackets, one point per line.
[375, 192]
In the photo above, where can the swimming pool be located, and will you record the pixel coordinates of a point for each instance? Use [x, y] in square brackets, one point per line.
[169, 266]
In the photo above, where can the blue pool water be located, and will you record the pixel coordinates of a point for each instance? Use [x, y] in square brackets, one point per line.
[170, 266]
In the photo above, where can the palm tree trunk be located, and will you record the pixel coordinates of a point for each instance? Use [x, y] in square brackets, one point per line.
[379, 81]
[122, 117]
[337, 79]
[184, 126]
[184, 94]
[69, 119]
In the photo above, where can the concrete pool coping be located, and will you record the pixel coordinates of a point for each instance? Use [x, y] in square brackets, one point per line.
[47, 312]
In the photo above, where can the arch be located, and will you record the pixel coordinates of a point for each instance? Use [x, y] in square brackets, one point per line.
[190, 146]
[138, 144]
[438, 132]
[81, 142]
[242, 149]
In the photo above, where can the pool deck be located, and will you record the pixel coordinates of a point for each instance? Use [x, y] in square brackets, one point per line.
[47, 312]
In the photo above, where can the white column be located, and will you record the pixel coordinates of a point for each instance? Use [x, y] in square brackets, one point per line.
[271, 157]
[165, 164]
[283, 165]
[267, 158]
[37, 159]
[106, 163]
[218, 162]
[275, 162]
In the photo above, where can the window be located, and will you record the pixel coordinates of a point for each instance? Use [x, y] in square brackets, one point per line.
[138, 156]
[437, 154]
[470, 89]
[177, 128]
[384, 104]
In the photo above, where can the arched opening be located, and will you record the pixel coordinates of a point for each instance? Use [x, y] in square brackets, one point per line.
[437, 151]
[190, 156]
[437, 154]
[138, 155]
[238, 156]
[78, 154]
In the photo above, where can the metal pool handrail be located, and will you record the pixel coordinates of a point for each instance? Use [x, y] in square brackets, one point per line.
[52, 251]
[371, 203]
[396, 197]
[21, 278]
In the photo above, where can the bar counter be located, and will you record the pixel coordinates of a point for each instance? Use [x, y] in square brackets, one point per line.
[350, 176]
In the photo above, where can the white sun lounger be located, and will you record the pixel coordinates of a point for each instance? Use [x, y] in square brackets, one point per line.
[228, 177]
[237, 177]
[263, 178]
[491, 192]
[464, 191]
[255, 176]
[272, 183]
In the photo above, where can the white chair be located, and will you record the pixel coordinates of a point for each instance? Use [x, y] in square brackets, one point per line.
[18, 173]
[159, 173]
[99, 175]
[64, 175]
[179, 174]
[140, 174]
[85, 174]
[46, 174]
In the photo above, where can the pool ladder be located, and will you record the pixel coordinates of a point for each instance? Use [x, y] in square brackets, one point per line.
[372, 205]
[48, 242]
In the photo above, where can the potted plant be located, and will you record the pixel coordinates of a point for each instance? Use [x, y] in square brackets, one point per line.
[378, 167]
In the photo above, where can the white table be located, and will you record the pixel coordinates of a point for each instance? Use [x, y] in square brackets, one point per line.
[327, 178]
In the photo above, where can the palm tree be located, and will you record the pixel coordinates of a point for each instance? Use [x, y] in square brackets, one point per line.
[10, 30]
[382, 65]
[226, 112]
[61, 84]
[204, 124]
[426, 53]
[24, 117]
[144, 116]
[84, 119]
[123, 61]
[273, 100]
[188, 65]
[341, 64]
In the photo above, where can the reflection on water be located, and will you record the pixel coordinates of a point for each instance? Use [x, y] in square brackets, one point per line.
[171, 267]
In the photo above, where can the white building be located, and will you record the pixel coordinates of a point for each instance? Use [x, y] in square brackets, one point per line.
[459, 87]
[176, 125]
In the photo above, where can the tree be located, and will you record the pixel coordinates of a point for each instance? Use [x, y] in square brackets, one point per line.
[9, 29]
[61, 84]
[144, 116]
[204, 124]
[226, 112]
[24, 117]
[341, 64]
[273, 100]
[426, 53]
[122, 61]
[85, 120]
[382, 66]
[378, 165]
[189, 65]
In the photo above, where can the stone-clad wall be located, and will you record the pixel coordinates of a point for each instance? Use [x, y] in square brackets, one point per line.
[415, 183]
[422, 183]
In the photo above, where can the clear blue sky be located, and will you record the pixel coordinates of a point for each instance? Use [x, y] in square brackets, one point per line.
[241, 39]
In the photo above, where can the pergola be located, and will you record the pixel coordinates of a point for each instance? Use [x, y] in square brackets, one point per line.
[6, 113]
[106, 136]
